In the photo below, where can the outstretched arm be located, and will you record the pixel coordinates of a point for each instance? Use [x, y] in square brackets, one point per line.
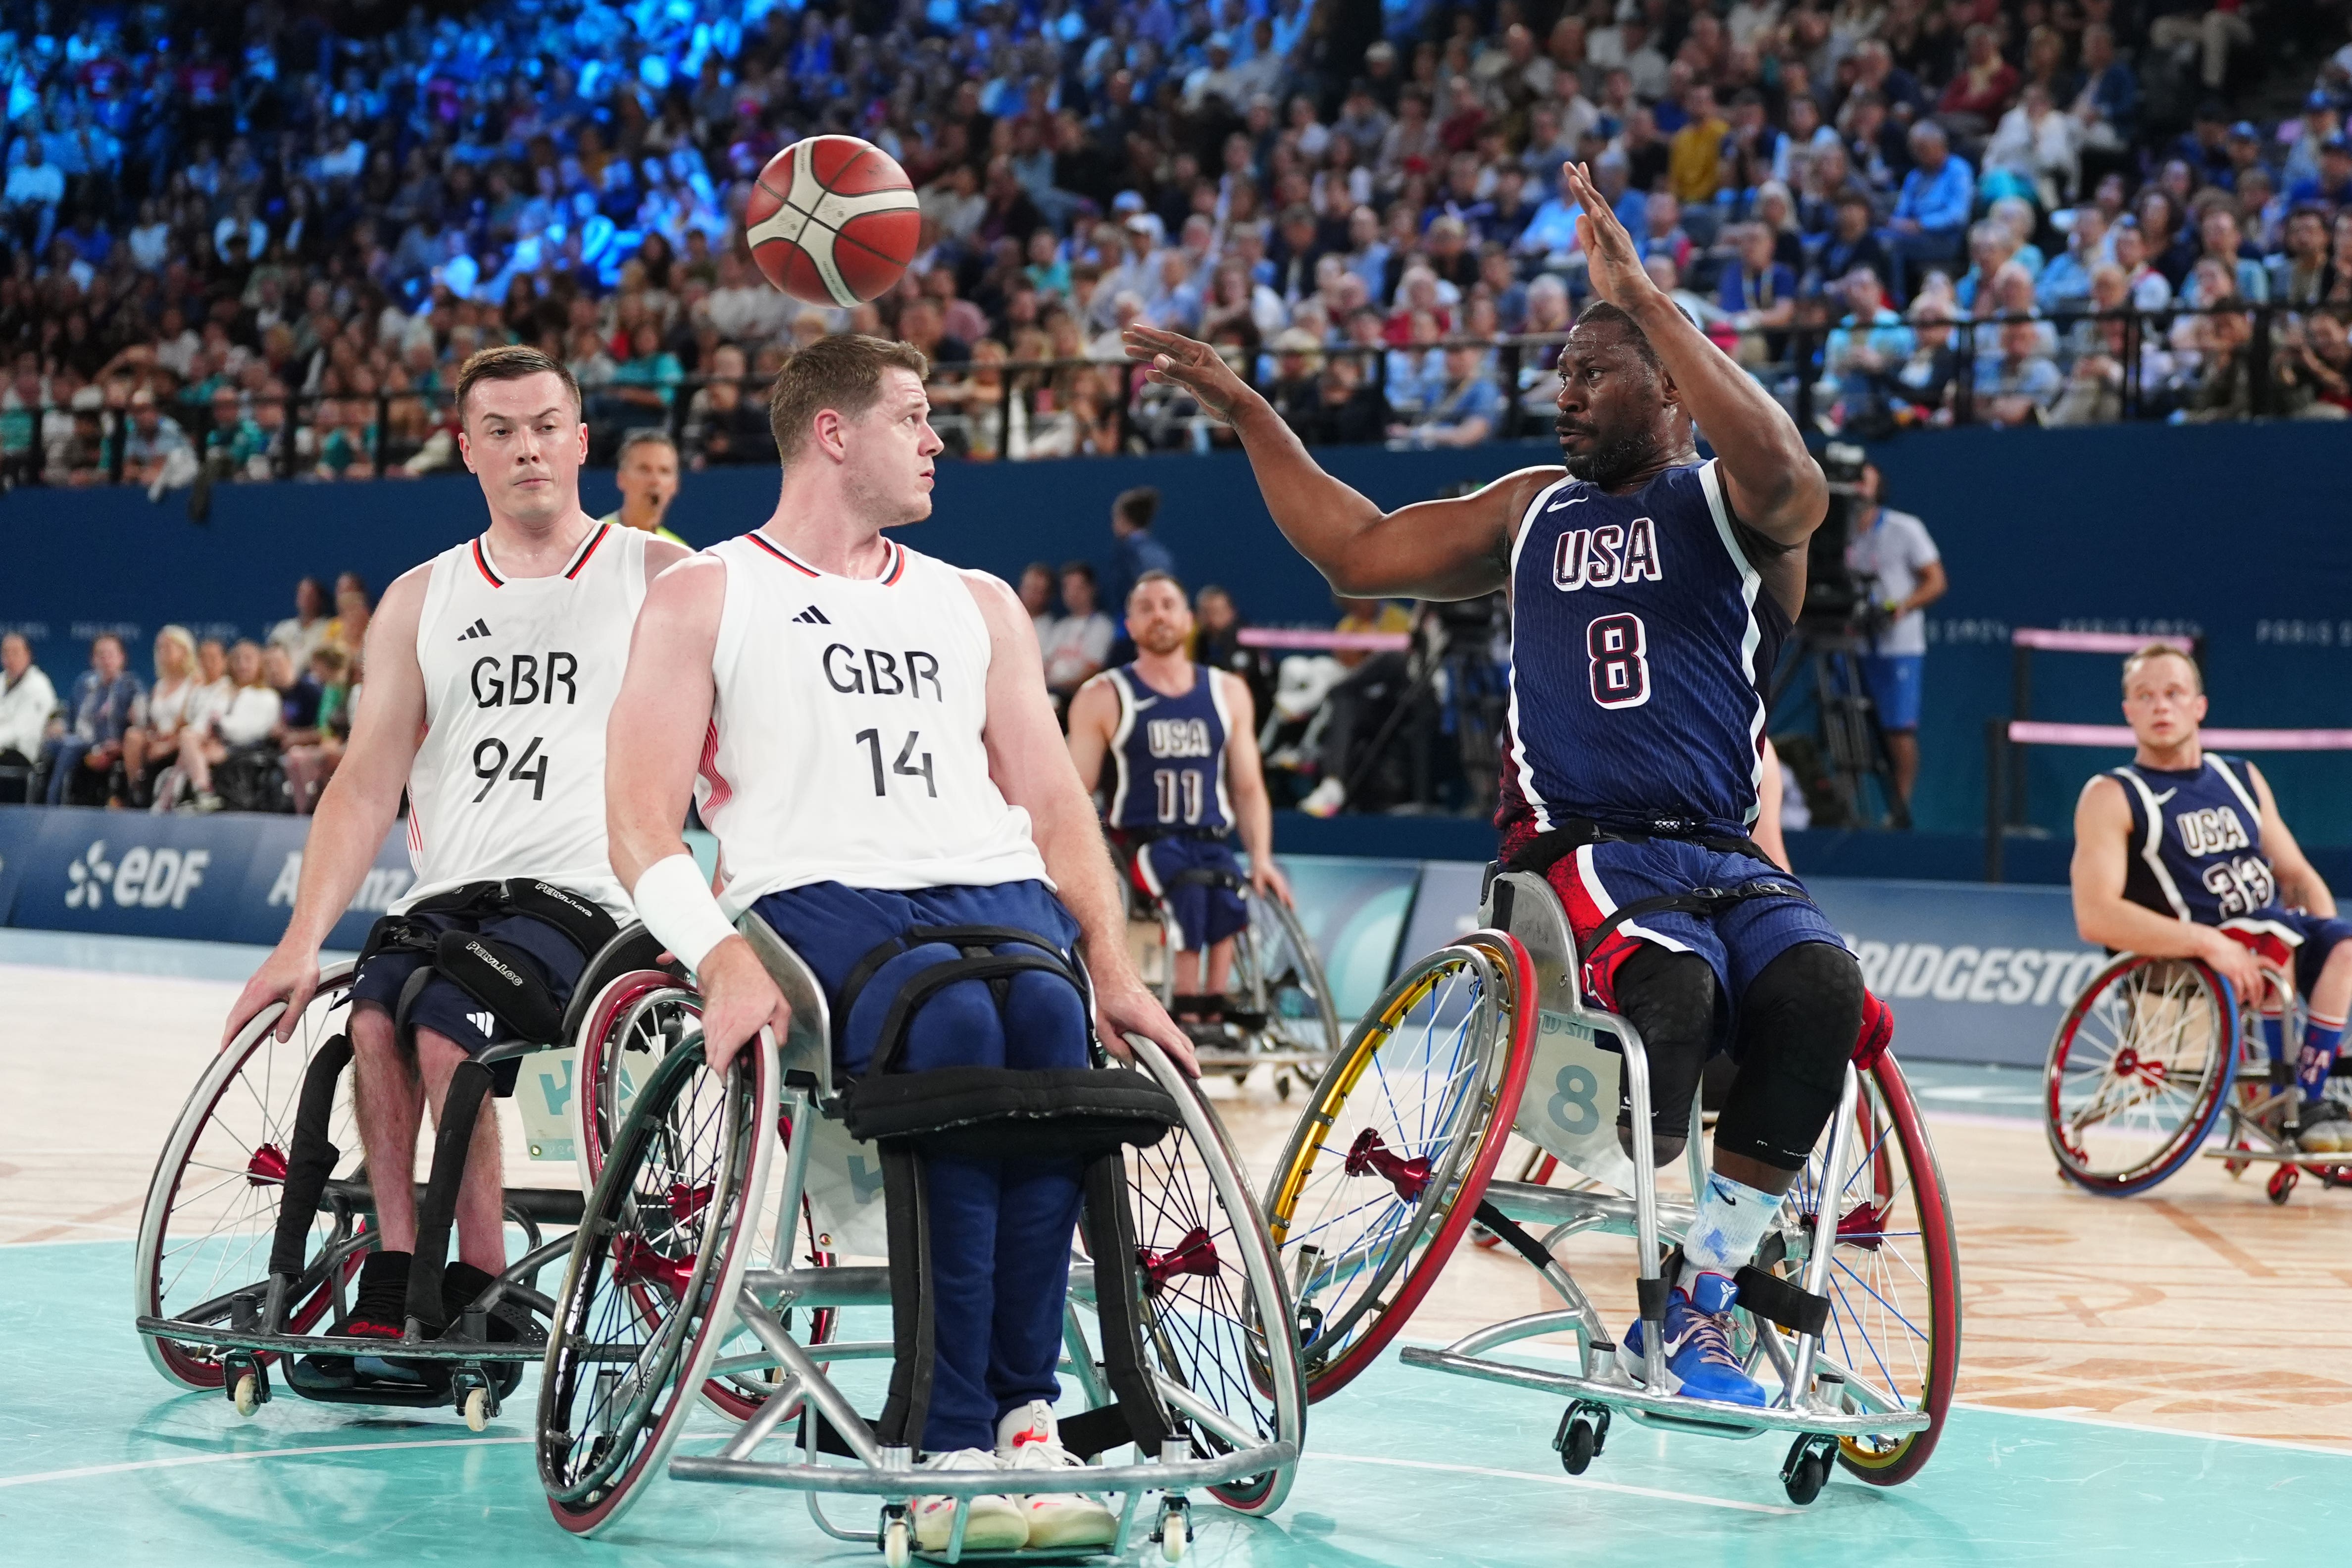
[1028, 760]
[1455, 549]
[1772, 482]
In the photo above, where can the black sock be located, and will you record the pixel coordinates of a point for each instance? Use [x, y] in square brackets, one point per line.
[381, 1298]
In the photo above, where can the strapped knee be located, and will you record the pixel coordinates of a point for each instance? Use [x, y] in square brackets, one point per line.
[1671, 997]
[1796, 1028]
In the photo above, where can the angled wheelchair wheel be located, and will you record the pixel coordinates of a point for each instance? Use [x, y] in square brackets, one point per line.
[2138, 1071]
[1894, 1279]
[1387, 1165]
[653, 1277]
[1277, 975]
[1215, 1318]
[211, 1213]
[630, 1031]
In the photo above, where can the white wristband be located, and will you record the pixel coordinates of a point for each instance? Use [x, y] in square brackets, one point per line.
[675, 902]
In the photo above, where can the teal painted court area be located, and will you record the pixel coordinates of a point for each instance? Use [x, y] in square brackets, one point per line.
[100, 1463]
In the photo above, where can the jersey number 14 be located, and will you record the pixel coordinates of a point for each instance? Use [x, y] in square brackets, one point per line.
[905, 766]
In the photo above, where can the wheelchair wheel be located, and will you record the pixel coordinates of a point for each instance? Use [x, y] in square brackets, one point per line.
[204, 1234]
[652, 1278]
[1894, 1280]
[1386, 1167]
[1278, 973]
[2138, 1071]
[641, 1017]
[1212, 1286]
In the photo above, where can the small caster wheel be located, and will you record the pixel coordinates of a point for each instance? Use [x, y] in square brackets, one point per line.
[1807, 1470]
[1175, 1532]
[1583, 1429]
[898, 1543]
[477, 1409]
[248, 1396]
[2282, 1182]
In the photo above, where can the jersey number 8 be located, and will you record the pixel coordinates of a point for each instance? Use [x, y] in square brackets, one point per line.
[1621, 666]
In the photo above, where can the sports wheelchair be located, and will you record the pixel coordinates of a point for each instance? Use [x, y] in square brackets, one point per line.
[2153, 1057]
[1278, 1011]
[717, 1259]
[1852, 1304]
[249, 1241]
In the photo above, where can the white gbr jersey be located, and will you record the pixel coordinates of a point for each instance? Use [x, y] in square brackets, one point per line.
[845, 740]
[519, 677]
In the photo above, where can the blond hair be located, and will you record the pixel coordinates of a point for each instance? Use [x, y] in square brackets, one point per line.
[2161, 650]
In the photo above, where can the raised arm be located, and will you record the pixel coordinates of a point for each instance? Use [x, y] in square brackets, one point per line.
[1031, 767]
[1455, 549]
[1774, 484]
[354, 814]
[1246, 783]
[2300, 886]
[2103, 830]
[653, 742]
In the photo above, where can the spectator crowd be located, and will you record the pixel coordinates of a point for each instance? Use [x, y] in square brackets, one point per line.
[255, 242]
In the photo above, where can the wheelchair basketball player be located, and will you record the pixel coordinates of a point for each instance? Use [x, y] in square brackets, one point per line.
[2181, 853]
[1182, 739]
[867, 733]
[491, 669]
[1651, 595]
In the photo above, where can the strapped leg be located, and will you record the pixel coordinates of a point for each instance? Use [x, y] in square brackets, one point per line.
[311, 1160]
[912, 1331]
[461, 1107]
[1118, 1308]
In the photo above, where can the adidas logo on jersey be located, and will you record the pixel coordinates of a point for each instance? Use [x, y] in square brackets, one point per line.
[813, 617]
[478, 629]
[486, 1022]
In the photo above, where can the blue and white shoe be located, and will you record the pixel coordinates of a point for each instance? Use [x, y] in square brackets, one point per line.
[1699, 1361]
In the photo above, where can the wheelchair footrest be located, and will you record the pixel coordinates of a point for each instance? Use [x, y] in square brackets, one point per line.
[1714, 1416]
[1776, 1300]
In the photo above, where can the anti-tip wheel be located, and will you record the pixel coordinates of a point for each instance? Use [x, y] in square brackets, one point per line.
[1175, 1535]
[1807, 1470]
[2282, 1183]
[477, 1409]
[897, 1544]
[247, 1395]
[1579, 1438]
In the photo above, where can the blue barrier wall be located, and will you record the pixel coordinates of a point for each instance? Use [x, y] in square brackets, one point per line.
[2237, 532]
[1974, 974]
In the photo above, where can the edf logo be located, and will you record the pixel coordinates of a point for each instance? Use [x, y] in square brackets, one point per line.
[144, 879]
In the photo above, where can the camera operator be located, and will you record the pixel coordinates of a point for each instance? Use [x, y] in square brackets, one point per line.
[1899, 573]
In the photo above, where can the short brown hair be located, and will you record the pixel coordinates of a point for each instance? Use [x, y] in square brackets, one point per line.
[512, 362]
[1156, 575]
[2161, 650]
[842, 372]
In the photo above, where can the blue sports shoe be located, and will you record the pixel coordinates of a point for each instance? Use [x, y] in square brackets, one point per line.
[1699, 1361]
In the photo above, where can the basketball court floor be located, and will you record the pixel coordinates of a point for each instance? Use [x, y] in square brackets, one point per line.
[2167, 1379]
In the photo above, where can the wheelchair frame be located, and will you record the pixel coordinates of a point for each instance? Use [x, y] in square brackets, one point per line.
[761, 1300]
[1818, 1403]
[258, 1323]
[1257, 1046]
[2251, 1088]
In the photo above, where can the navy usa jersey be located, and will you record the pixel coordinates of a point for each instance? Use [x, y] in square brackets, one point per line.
[1169, 754]
[2197, 842]
[1642, 646]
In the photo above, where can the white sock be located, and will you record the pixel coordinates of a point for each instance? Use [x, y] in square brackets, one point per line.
[1731, 1219]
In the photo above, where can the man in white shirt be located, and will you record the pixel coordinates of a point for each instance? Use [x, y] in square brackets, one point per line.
[1903, 576]
[1076, 645]
[27, 702]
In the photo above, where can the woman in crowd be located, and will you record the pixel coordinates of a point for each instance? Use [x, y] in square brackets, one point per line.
[151, 747]
[245, 729]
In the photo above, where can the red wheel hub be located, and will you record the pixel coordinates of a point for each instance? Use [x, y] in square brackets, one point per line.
[1196, 1254]
[1370, 1156]
[268, 1167]
[686, 1204]
[2129, 1063]
[634, 1261]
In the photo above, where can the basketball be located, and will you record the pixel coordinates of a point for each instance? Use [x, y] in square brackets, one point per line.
[832, 221]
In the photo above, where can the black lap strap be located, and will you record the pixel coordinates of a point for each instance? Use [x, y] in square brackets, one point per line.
[582, 920]
[1777, 1301]
[1548, 849]
[996, 1113]
[1206, 876]
[501, 979]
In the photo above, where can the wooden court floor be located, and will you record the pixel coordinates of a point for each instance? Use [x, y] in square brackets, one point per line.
[2200, 1308]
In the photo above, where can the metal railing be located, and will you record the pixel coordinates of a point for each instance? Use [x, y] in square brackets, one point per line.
[1025, 410]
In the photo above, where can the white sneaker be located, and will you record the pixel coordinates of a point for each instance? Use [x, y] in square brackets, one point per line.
[996, 1524]
[1326, 799]
[1029, 1439]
